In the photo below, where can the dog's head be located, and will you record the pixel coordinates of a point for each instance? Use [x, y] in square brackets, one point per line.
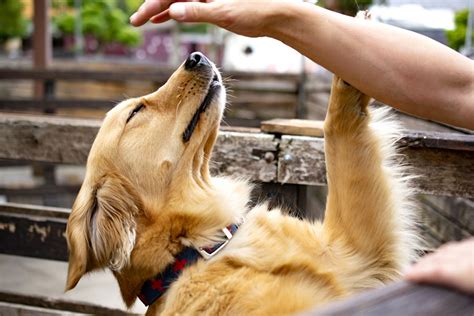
[150, 156]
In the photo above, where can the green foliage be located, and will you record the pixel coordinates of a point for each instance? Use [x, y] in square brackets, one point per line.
[457, 37]
[65, 23]
[12, 23]
[103, 19]
[131, 6]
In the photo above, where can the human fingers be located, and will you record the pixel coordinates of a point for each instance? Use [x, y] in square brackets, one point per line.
[195, 12]
[165, 15]
[162, 17]
[451, 265]
[148, 9]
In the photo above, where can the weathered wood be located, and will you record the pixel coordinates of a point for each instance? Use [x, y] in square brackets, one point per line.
[40, 104]
[453, 141]
[245, 155]
[49, 224]
[59, 304]
[159, 76]
[402, 299]
[9, 309]
[39, 235]
[293, 127]
[65, 140]
[246, 100]
[46, 138]
[49, 189]
[444, 167]
[442, 171]
[34, 211]
[457, 210]
[301, 160]
[441, 227]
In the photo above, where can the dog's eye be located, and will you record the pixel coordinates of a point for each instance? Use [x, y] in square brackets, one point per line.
[135, 111]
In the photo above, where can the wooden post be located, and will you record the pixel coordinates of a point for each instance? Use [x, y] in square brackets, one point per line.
[43, 89]
[41, 42]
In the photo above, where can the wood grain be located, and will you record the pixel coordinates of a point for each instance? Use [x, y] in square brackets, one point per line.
[51, 305]
[439, 171]
[443, 165]
[293, 127]
[402, 299]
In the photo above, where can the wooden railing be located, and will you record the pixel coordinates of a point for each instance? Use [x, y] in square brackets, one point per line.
[443, 162]
[255, 90]
[39, 232]
[402, 299]
[284, 163]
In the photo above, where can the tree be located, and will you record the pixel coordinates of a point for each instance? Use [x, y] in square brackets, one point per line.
[457, 37]
[107, 20]
[12, 23]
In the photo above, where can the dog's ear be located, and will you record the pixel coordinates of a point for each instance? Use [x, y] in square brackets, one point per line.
[101, 227]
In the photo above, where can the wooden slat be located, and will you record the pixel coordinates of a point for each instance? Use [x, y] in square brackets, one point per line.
[402, 299]
[256, 101]
[38, 104]
[40, 233]
[293, 127]
[245, 155]
[441, 171]
[36, 211]
[46, 189]
[453, 141]
[33, 231]
[159, 75]
[59, 304]
[443, 164]
[68, 141]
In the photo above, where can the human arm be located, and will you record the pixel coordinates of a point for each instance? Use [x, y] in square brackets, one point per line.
[451, 265]
[400, 68]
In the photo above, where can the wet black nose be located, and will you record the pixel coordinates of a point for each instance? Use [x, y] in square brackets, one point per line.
[196, 60]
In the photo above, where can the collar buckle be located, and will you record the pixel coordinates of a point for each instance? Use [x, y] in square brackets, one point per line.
[208, 253]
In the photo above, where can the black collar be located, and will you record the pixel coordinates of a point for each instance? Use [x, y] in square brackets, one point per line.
[155, 287]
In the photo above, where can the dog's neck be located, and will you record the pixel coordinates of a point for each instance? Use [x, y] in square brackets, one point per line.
[197, 223]
[155, 287]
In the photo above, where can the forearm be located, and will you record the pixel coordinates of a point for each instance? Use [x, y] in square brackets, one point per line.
[405, 70]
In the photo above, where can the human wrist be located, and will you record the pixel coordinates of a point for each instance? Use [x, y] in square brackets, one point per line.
[291, 20]
[278, 15]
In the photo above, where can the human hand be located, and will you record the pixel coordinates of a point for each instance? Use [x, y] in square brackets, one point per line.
[249, 18]
[451, 265]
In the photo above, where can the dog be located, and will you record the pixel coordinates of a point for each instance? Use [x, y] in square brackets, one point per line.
[186, 242]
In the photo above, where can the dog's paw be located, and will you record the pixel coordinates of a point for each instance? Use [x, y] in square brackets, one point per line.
[348, 99]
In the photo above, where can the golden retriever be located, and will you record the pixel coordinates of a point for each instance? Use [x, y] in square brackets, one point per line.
[148, 196]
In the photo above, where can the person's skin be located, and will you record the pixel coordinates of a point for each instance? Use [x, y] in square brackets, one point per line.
[400, 68]
[451, 265]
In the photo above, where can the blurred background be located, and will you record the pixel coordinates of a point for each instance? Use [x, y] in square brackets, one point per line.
[78, 58]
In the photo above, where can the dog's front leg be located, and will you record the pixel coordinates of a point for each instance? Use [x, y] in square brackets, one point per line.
[365, 193]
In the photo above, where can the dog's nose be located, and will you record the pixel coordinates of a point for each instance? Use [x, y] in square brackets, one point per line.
[196, 60]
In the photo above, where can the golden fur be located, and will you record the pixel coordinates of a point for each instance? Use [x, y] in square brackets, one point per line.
[147, 195]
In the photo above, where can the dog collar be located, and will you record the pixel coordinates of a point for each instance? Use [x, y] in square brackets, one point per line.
[155, 287]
